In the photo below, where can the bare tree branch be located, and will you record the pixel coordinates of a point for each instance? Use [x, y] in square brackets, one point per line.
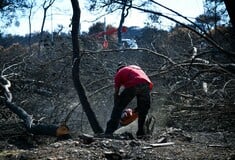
[216, 45]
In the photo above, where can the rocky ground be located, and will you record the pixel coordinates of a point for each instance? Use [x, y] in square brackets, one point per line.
[166, 143]
[189, 133]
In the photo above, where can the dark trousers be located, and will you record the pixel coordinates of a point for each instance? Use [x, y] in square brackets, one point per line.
[142, 93]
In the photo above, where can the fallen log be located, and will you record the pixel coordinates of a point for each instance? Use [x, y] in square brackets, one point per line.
[33, 127]
[28, 119]
[30, 124]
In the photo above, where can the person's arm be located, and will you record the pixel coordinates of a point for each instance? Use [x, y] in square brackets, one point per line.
[117, 85]
[116, 95]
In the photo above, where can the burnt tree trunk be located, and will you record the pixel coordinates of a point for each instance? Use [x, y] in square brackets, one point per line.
[45, 9]
[76, 70]
[29, 122]
[125, 12]
[121, 24]
[230, 6]
[37, 129]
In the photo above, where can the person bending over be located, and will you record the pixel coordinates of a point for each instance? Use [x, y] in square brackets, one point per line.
[136, 84]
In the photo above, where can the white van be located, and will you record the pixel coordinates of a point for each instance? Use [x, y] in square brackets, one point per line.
[129, 43]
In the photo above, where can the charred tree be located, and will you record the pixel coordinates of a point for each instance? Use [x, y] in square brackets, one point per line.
[34, 127]
[125, 11]
[230, 6]
[31, 125]
[45, 8]
[76, 70]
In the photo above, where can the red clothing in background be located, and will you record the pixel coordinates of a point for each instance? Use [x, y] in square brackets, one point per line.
[131, 76]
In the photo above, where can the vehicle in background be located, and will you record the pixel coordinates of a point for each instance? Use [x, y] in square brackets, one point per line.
[129, 43]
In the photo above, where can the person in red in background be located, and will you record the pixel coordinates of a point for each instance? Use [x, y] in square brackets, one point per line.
[136, 84]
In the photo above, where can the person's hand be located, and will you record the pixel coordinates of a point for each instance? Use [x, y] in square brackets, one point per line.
[128, 116]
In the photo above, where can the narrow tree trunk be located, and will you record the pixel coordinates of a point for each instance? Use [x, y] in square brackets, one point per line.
[120, 26]
[76, 70]
[230, 6]
[45, 8]
[30, 28]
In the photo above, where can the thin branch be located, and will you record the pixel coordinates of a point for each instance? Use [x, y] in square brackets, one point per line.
[180, 15]
[216, 45]
[129, 49]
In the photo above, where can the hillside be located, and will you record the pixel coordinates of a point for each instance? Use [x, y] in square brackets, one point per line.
[192, 100]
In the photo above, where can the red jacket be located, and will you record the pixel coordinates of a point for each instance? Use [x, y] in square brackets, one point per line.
[131, 76]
